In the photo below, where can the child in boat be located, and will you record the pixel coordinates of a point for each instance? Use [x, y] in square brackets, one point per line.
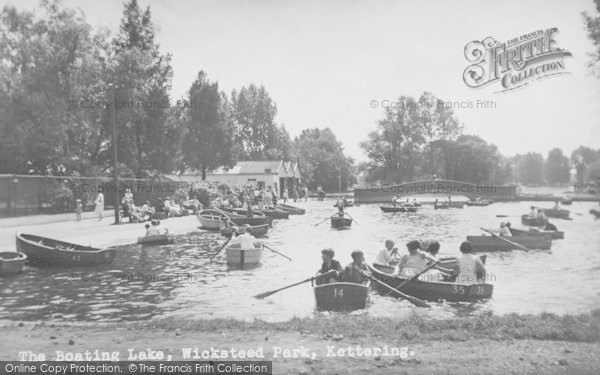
[415, 261]
[354, 272]
[388, 255]
[329, 264]
[78, 209]
[469, 267]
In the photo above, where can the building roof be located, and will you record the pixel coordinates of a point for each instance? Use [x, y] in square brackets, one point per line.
[254, 167]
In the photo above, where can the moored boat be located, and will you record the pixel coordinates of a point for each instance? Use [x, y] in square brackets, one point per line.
[341, 222]
[493, 243]
[534, 221]
[556, 213]
[553, 234]
[236, 256]
[11, 262]
[341, 296]
[291, 209]
[257, 218]
[157, 239]
[481, 203]
[433, 290]
[398, 208]
[44, 251]
[276, 213]
[212, 219]
[256, 231]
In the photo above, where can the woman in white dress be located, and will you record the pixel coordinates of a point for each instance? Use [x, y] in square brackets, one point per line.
[99, 205]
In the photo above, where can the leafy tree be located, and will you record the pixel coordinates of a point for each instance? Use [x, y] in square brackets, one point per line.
[529, 168]
[581, 158]
[322, 159]
[592, 24]
[208, 138]
[557, 167]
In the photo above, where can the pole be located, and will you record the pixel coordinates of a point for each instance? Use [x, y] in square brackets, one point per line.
[115, 169]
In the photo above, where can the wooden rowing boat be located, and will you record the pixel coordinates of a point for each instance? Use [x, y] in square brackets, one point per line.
[157, 239]
[276, 213]
[257, 218]
[433, 290]
[534, 221]
[212, 219]
[478, 203]
[342, 296]
[447, 205]
[242, 257]
[556, 213]
[11, 262]
[553, 234]
[44, 251]
[398, 209]
[291, 209]
[595, 212]
[345, 204]
[492, 243]
[441, 206]
[341, 222]
[256, 231]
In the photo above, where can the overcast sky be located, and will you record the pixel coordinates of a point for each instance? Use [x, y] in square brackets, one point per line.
[324, 61]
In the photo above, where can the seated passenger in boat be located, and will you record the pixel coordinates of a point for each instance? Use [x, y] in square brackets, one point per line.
[437, 273]
[415, 261]
[245, 239]
[469, 267]
[156, 229]
[388, 255]
[505, 230]
[354, 272]
[540, 214]
[329, 264]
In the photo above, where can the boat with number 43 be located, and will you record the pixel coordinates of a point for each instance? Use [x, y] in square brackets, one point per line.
[44, 251]
[432, 290]
[342, 296]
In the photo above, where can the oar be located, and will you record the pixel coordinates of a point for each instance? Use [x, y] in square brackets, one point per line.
[276, 252]
[505, 240]
[352, 218]
[222, 247]
[326, 219]
[269, 293]
[415, 276]
[508, 216]
[415, 301]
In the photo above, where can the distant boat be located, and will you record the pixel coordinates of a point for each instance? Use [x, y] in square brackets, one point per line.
[398, 209]
[44, 251]
[11, 262]
[291, 209]
[534, 221]
[493, 243]
[158, 239]
[341, 222]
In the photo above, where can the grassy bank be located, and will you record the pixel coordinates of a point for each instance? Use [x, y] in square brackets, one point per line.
[545, 326]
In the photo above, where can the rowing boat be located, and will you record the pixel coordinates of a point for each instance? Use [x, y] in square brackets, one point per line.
[342, 296]
[553, 234]
[241, 212]
[257, 218]
[556, 213]
[157, 239]
[595, 212]
[11, 262]
[276, 213]
[534, 221]
[493, 243]
[211, 219]
[341, 222]
[345, 204]
[256, 231]
[291, 209]
[242, 257]
[398, 209]
[44, 251]
[432, 290]
[478, 203]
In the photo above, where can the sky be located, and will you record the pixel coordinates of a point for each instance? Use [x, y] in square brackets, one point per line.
[327, 63]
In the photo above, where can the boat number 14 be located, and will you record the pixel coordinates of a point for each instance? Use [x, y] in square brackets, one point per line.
[338, 293]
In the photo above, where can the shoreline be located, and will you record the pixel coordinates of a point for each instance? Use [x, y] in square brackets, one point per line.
[349, 344]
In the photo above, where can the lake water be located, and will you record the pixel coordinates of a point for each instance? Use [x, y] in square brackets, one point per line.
[179, 281]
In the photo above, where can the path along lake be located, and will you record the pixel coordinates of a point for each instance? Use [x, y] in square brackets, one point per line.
[179, 281]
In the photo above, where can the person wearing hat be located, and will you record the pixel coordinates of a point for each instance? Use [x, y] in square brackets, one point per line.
[415, 261]
[245, 239]
[355, 271]
[329, 264]
[388, 255]
[469, 267]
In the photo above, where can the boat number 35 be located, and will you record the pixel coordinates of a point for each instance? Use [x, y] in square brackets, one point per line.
[338, 293]
[458, 289]
[76, 258]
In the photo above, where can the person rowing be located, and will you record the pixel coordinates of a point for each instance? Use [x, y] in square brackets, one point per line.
[437, 273]
[329, 264]
[388, 256]
[245, 239]
[340, 207]
[533, 211]
[505, 229]
[415, 261]
[469, 267]
[355, 271]
[156, 229]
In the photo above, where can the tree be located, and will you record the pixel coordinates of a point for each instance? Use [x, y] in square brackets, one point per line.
[254, 113]
[208, 138]
[529, 168]
[592, 24]
[581, 158]
[322, 159]
[557, 167]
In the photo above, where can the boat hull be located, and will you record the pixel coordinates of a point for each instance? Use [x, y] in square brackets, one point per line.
[291, 209]
[43, 251]
[341, 222]
[398, 209]
[491, 243]
[276, 214]
[556, 213]
[433, 290]
[240, 258]
[11, 263]
[211, 219]
[534, 221]
[341, 296]
[553, 234]
[256, 231]
[478, 204]
[159, 239]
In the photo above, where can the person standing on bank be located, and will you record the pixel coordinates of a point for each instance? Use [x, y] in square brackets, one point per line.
[99, 205]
